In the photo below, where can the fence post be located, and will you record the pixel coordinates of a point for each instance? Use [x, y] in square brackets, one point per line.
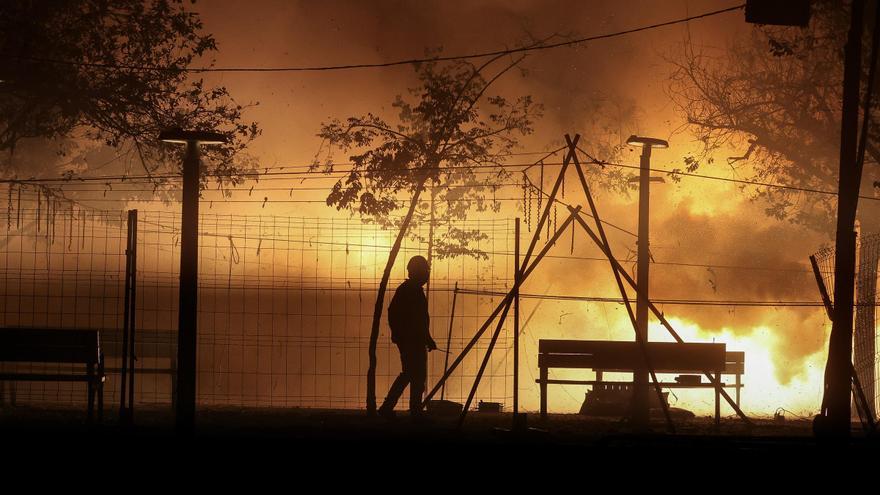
[126, 395]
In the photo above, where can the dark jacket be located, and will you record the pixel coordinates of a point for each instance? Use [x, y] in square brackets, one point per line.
[408, 315]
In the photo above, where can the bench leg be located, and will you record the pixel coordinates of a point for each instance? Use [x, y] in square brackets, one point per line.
[543, 393]
[738, 387]
[100, 403]
[91, 397]
[100, 381]
[718, 401]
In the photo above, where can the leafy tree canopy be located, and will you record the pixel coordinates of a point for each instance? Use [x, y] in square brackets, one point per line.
[444, 134]
[75, 69]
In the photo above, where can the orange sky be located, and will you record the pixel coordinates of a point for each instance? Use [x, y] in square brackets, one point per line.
[693, 221]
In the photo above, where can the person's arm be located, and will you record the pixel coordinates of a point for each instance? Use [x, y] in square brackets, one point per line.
[429, 341]
[394, 316]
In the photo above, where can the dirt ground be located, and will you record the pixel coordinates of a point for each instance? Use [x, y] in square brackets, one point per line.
[326, 428]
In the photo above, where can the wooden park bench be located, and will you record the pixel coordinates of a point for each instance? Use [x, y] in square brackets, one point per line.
[618, 356]
[56, 346]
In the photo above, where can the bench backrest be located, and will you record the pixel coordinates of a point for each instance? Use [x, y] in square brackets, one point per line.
[666, 357]
[735, 362]
[42, 345]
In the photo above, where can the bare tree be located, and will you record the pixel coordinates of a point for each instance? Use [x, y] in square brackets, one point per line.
[444, 131]
[776, 97]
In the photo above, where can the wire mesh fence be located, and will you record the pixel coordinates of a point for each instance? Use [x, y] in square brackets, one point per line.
[865, 333]
[285, 304]
[62, 267]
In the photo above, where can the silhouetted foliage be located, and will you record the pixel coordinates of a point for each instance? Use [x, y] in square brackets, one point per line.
[438, 139]
[75, 69]
[775, 96]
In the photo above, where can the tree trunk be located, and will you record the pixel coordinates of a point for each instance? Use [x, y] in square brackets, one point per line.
[380, 298]
[835, 418]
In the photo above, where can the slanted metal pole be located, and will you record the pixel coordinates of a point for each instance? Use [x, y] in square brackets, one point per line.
[498, 309]
[861, 400]
[509, 299]
[485, 361]
[658, 314]
[449, 340]
[505, 304]
[823, 291]
[607, 248]
[467, 348]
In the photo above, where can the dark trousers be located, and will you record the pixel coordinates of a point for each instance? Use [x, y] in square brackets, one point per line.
[414, 364]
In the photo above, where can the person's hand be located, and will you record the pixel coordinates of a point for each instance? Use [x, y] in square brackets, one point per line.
[431, 345]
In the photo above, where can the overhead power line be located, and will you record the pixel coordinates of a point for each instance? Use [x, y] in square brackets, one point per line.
[673, 302]
[728, 179]
[337, 174]
[326, 68]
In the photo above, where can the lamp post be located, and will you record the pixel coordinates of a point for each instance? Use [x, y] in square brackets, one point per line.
[187, 325]
[641, 408]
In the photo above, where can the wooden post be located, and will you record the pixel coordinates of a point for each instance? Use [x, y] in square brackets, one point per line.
[834, 418]
[859, 394]
[543, 378]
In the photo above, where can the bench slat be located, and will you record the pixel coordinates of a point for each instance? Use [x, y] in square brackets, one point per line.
[668, 357]
[558, 381]
[46, 354]
[49, 345]
[44, 377]
[735, 362]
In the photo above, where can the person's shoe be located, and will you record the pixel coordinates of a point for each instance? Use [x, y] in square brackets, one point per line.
[387, 413]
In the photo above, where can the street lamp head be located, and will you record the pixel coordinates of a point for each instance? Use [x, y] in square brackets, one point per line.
[199, 137]
[646, 142]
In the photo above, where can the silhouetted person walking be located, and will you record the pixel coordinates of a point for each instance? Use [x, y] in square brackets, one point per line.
[409, 321]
